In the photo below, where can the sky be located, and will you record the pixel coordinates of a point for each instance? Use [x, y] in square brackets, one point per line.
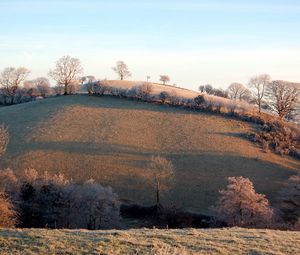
[194, 42]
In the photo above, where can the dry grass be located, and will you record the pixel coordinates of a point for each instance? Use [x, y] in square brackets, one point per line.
[112, 140]
[145, 241]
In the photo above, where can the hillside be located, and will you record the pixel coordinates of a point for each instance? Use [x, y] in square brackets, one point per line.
[189, 241]
[111, 140]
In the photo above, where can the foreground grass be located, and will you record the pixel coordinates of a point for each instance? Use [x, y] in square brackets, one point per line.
[146, 241]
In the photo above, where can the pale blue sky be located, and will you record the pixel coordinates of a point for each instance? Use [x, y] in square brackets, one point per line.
[195, 42]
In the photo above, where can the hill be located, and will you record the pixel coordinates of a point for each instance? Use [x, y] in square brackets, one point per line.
[188, 241]
[111, 140]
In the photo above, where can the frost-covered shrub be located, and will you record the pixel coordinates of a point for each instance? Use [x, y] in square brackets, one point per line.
[54, 201]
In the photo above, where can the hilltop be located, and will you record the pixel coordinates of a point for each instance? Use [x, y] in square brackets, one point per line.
[145, 241]
[111, 140]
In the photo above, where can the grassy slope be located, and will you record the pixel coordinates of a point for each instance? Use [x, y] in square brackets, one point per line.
[112, 139]
[188, 241]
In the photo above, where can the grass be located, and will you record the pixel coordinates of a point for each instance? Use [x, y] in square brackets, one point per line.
[112, 140]
[149, 241]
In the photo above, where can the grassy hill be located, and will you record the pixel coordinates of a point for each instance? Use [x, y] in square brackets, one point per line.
[157, 242]
[111, 140]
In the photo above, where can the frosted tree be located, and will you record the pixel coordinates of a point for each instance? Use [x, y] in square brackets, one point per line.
[161, 173]
[66, 72]
[259, 84]
[240, 205]
[164, 79]
[122, 70]
[10, 81]
[284, 98]
[237, 91]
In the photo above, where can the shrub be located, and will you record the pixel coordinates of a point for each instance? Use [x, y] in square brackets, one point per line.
[8, 216]
[289, 201]
[55, 202]
[199, 101]
[163, 96]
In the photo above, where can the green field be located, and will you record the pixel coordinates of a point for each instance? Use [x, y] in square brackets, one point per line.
[150, 241]
[111, 140]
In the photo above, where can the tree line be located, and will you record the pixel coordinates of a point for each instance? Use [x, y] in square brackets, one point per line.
[277, 96]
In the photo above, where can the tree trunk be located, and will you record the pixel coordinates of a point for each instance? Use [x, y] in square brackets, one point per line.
[66, 89]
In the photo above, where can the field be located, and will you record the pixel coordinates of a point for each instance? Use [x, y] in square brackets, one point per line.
[145, 241]
[112, 140]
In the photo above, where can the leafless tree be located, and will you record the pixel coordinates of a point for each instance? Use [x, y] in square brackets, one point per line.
[122, 70]
[284, 98]
[240, 205]
[148, 78]
[164, 79]
[237, 91]
[66, 72]
[8, 216]
[11, 79]
[259, 84]
[161, 171]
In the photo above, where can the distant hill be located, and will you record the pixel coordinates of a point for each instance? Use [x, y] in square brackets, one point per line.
[149, 241]
[111, 140]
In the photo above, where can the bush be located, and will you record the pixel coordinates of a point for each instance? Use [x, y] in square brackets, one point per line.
[55, 202]
[199, 101]
[289, 202]
[8, 216]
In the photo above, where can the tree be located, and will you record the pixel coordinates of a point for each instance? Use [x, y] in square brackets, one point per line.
[259, 84]
[162, 172]
[10, 81]
[284, 98]
[8, 216]
[240, 205]
[237, 91]
[289, 201]
[66, 72]
[164, 79]
[122, 70]
[93, 206]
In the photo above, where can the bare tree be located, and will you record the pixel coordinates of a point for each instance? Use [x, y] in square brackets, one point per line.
[148, 78]
[240, 205]
[66, 72]
[284, 98]
[161, 171]
[259, 84]
[164, 79]
[8, 216]
[11, 79]
[122, 70]
[237, 91]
